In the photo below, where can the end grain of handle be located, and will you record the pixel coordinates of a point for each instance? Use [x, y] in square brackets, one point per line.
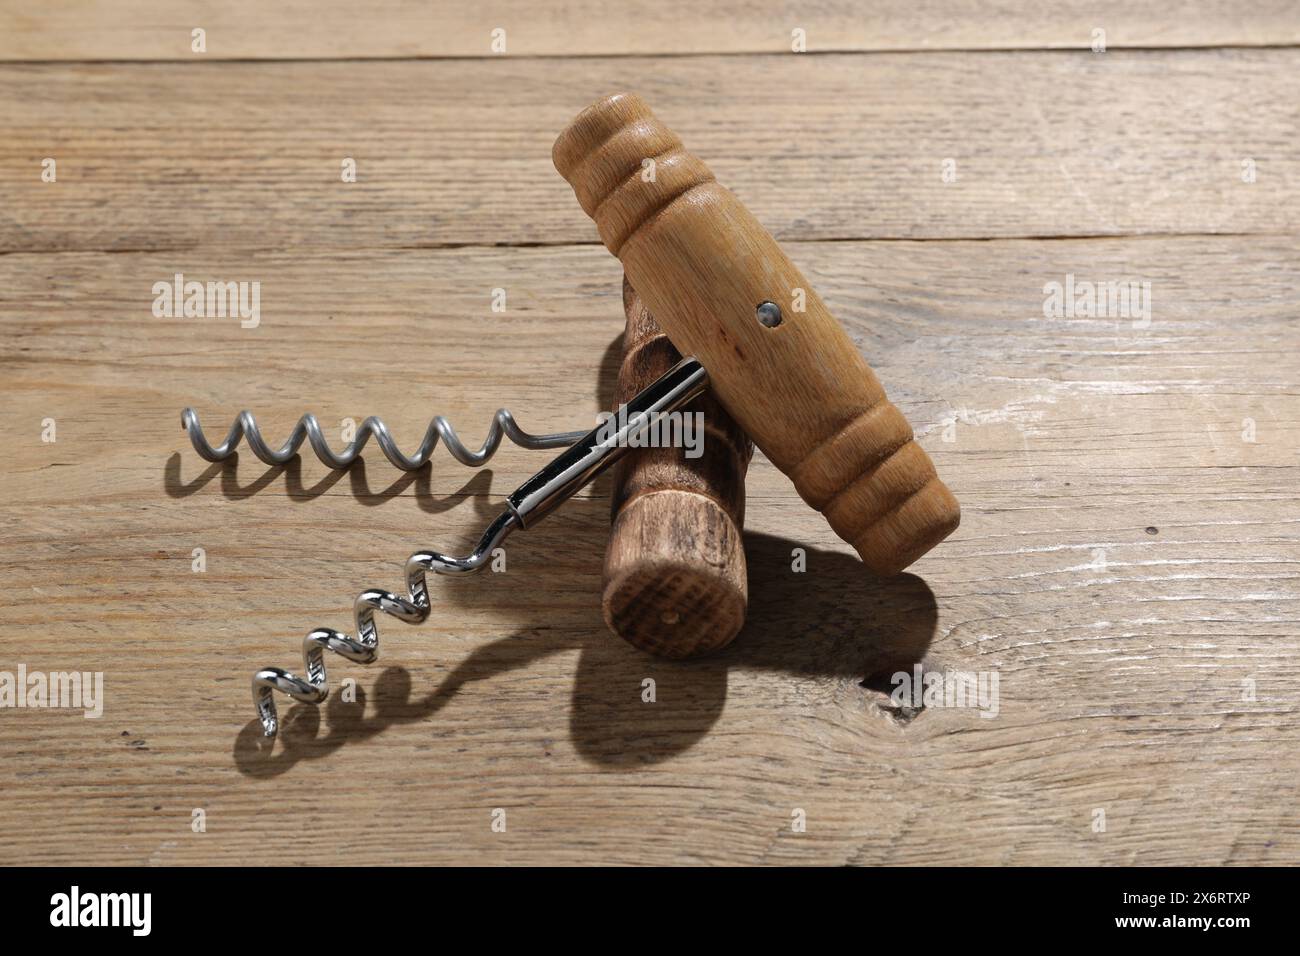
[675, 578]
[796, 385]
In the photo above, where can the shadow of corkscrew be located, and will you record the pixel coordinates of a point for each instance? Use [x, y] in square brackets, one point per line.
[479, 484]
[834, 620]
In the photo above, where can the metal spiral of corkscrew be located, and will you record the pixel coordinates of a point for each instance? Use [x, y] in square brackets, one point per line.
[587, 454]
[503, 425]
[364, 648]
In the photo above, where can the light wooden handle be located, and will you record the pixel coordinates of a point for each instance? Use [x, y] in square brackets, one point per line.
[675, 579]
[704, 265]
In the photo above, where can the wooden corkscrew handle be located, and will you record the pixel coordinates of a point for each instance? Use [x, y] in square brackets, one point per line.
[724, 292]
[675, 578]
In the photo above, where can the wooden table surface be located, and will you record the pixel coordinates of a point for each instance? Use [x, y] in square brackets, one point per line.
[1130, 548]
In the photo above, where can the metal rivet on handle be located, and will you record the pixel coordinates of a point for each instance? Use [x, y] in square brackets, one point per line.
[768, 314]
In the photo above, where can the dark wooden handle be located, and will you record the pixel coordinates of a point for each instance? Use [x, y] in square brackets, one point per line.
[675, 580]
[778, 361]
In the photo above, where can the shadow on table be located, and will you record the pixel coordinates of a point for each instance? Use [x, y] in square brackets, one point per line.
[478, 485]
[833, 620]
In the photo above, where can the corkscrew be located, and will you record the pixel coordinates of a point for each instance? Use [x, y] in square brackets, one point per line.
[586, 456]
[714, 279]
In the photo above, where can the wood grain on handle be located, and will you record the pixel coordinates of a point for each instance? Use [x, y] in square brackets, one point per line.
[703, 264]
[675, 577]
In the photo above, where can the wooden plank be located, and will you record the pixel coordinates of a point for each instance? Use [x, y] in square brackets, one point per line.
[247, 29]
[248, 155]
[1125, 563]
